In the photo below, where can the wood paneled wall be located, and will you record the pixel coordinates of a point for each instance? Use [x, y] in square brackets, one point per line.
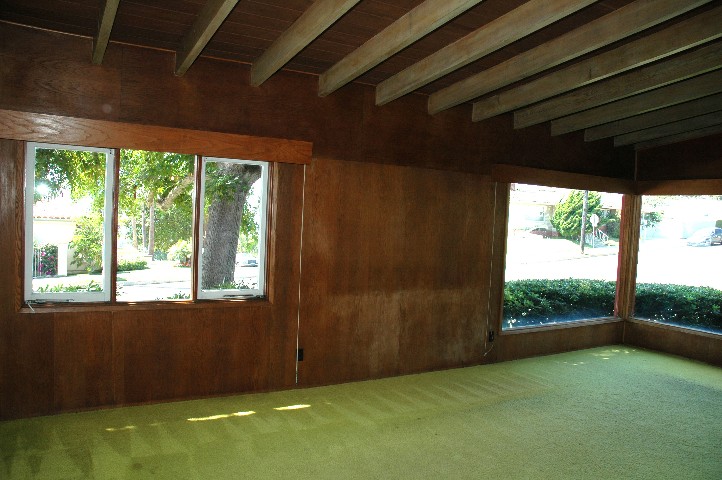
[393, 273]
[690, 160]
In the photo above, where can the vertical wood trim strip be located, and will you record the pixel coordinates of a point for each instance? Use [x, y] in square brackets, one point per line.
[498, 256]
[195, 283]
[19, 162]
[627, 260]
[114, 228]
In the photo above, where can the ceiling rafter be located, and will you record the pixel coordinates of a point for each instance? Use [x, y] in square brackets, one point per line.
[681, 137]
[655, 118]
[674, 69]
[687, 34]
[313, 22]
[673, 128]
[210, 18]
[684, 91]
[105, 25]
[628, 20]
[422, 20]
[520, 22]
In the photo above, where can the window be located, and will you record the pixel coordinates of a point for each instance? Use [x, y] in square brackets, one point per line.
[234, 196]
[68, 195]
[680, 252]
[155, 226]
[69, 226]
[551, 275]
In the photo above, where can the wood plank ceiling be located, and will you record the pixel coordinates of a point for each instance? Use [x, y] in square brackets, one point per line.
[643, 72]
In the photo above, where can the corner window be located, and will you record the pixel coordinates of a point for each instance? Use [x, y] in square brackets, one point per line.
[561, 255]
[68, 213]
[680, 251]
[233, 225]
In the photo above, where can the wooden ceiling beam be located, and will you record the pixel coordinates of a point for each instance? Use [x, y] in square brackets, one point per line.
[620, 23]
[105, 25]
[675, 69]
[417, 23]
[678, 37]
[681, 137]
[528, 18]
[655, 118]
[668, 129]
[312, 23]
[684, 91]
[210, 18]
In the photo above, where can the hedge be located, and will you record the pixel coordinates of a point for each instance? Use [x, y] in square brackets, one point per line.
[539, 302]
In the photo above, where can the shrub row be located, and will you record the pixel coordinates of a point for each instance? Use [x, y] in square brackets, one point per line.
[129, 265]
[538, 302]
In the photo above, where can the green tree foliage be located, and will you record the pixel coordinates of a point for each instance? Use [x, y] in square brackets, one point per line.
[567, 218]
[82, 173]
[87, 243]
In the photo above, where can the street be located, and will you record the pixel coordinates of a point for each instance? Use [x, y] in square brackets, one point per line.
[660, 261]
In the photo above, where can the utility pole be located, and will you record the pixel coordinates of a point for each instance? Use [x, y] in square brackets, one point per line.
[585, 205]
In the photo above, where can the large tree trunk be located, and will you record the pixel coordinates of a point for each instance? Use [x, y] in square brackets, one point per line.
[223, 225]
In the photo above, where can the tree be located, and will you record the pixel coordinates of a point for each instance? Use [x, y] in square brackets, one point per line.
[567, 218]
[162, 182]
[227, 189]
[153, 183]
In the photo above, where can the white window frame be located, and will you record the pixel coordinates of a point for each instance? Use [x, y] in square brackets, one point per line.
[259, 291]
[103, 296]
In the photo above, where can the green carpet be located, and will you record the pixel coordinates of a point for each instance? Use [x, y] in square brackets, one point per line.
[614, 412]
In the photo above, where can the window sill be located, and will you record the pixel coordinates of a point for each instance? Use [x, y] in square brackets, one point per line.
[560, 326]
[675, 328]
[140, 306]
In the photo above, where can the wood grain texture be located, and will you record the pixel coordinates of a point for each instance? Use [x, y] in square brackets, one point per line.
[655, 118]
[209, 19]
[614, 26]
[668, 71]
[678, 137]
[313, 22]
[493, 36]
[39, 127]
[419, 22]
[678, 37]
[698, 346]
[669, 129]
[105, 25]
[627, 258]
[535, 176]
[702, 160]
[680, 92]
[82, 360]
[401, 297]
[512, 346]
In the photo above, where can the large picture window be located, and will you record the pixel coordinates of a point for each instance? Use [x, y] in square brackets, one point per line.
[561, 255]
[69, 221]
[680, 251]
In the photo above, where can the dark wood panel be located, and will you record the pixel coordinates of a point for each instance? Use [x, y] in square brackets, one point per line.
[512, 346]
[168, 355]
[698, 346]
[28, 383]
[82, 360]
[694, 159]
[394, 279]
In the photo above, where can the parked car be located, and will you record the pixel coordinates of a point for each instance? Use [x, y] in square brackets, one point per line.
[545, 232]
[706, 236]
